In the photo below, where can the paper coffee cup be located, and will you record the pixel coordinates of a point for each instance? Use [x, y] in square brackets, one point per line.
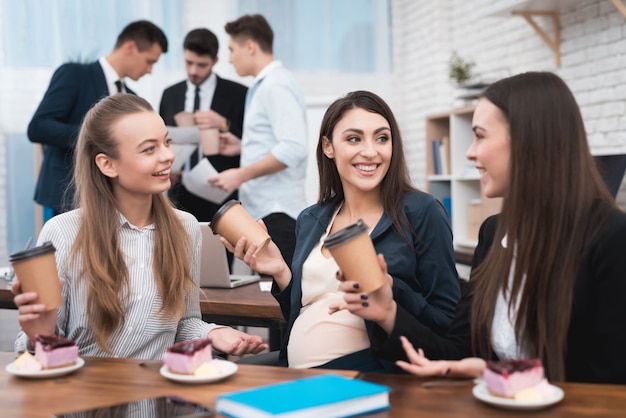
[36, 269]
[184, 119]
[210, 141]
[233, 222]
[354, 252]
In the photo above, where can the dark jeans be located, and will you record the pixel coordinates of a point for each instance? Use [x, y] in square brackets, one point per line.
[282, 229]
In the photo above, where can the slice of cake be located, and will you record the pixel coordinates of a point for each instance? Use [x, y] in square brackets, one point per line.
[53, 351]
[510, 378]
[186, 357]
[210, 368]
[26, 362]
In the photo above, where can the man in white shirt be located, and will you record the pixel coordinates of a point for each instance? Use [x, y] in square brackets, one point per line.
[271, 178]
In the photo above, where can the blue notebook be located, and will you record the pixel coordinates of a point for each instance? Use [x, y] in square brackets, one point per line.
[320, 396]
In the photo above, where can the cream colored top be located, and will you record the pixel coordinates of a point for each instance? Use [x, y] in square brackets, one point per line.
[317, 337]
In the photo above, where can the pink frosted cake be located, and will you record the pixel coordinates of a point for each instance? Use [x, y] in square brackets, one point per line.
[186, 357]
[514, 378]
[52, 351]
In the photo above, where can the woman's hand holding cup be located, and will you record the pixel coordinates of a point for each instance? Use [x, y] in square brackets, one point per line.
[376, 306]
[270, 261]
[34, 318]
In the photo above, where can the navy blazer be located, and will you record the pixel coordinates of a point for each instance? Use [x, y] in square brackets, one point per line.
[73, 90]
[596, 340]
[229, 101]
[425, 280]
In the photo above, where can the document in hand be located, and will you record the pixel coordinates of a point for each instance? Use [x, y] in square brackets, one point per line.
[197, 182]
[320, 396]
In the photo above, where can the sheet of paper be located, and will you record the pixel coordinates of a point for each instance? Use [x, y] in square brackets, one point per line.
[184, 135]
[182, 152]
[196, 182]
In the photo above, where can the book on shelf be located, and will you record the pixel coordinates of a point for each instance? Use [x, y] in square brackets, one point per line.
[444, 154]
[440, 151]
[436, 156]
[327, 395]
[446, 201]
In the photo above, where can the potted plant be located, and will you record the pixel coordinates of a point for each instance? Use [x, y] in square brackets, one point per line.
[460, 70]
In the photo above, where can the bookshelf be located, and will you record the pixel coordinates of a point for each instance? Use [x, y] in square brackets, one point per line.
[459, 189]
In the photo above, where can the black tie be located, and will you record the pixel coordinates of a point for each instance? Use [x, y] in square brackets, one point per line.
[196, 99]
[118, 84]
[194, 158]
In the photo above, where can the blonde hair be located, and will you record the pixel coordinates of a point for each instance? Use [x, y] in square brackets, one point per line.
[97, 241]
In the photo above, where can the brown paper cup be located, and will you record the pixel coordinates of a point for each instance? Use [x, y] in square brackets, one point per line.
[233, 222]
[354, 252]
[36, 270]
[210, 141]
[184, 119]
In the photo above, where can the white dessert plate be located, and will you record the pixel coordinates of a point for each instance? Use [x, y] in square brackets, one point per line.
[481, 392]
[225, 367]
[46, 373]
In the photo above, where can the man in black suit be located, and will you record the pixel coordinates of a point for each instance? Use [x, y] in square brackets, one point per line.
[221, 106]
[73, 89]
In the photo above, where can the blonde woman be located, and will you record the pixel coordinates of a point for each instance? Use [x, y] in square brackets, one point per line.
[128, 261]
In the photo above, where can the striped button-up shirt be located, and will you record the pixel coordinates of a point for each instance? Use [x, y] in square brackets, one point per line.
[143, 332]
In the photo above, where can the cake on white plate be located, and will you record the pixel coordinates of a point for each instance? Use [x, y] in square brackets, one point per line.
[53, 351]
[521, 379]
[193, 357]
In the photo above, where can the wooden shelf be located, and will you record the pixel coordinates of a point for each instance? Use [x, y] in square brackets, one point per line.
[619, 6]
[461, 188]
[529, 9]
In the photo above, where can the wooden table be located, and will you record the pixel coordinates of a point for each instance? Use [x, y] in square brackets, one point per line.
[108, 381]
[408, 399]
[243, 306]
[103, 382]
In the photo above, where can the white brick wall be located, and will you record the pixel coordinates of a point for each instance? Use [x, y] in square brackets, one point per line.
[593, 59]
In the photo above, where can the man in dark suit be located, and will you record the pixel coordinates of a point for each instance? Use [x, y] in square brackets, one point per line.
[220, 105]
[73, 90]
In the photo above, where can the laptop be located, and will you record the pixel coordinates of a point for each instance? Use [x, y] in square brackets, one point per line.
[214, 270]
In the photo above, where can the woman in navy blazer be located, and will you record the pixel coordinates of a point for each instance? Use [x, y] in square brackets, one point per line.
[363, 175]
[549, 273]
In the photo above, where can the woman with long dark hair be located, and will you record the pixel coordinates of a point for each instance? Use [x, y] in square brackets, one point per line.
[549, 273]
[363, 175]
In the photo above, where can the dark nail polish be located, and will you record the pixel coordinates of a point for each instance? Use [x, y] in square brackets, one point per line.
[365, 304]
[356, 285]
[337, 273]
[364, 296]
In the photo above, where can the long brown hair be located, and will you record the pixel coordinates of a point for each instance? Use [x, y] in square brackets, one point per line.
[395, 183]
[548, 216]
[97, 242]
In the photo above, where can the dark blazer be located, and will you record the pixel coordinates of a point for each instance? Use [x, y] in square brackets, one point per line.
[425, 281]
[597, 335]
[228, 100]
[73, 89]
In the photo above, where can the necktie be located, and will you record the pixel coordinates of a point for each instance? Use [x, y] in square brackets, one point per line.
[196, 99]
[118, 84]
[195, 157]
